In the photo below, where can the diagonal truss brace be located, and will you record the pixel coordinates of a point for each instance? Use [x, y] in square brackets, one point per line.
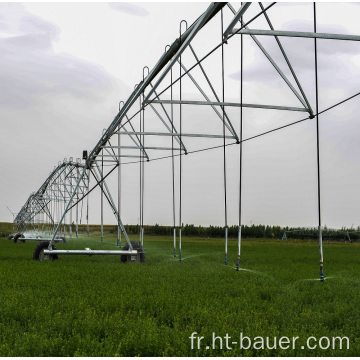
[108, 196]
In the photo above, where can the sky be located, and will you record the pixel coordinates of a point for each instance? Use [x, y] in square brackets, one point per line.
[65, 67]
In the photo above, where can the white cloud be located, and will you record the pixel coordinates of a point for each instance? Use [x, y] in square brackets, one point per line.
[129, 8]
[56, 104]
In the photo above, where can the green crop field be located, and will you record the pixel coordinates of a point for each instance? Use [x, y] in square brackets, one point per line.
[97, 306]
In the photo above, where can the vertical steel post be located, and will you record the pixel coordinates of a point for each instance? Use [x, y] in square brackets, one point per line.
[224, 148]
[143, 163]
[87, 205]
[172, 153]
[119, 180]
[240, 148]
[70, 227]
[140, 167]
[64, 180]
[174, 241]
[318, 157]
[102, 194]
[180, 185]
[77, 221]
[77, 209]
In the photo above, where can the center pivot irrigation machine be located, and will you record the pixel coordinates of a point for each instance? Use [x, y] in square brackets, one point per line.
[159, 117]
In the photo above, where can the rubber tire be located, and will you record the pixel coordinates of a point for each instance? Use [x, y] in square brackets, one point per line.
[19, 238]
[37, 255]
[136, 246]
[10, 237]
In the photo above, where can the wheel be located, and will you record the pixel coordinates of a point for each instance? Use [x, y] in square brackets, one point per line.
[136, 246]
[19, 238]
[10, 237]
[39, 251]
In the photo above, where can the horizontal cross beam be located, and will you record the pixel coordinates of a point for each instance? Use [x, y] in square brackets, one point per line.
[173, 134]
[216, 103]
[138, 147]
[301, 34]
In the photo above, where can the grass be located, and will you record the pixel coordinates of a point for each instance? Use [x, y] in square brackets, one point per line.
[97, 306]
[6, 229]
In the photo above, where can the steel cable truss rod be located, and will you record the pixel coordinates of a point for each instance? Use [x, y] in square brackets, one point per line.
[134, 141]
[186, 38]
[287, 60]
[111, 147]
[68, 173]
[109, 198]
[44, 207]
[113, 155]
[186, 135]
[212, 51]
[35, 209]
[174, 51]
[339, 103]
[138, 139]
[236, 18]
[299, 121]
[228, 125]
[176, 134]
[300, 34]
[67, 208]
[204, 73]
[255, 136]
[304, 103]
[44, 188]
[115, 158]
[58, 184]
[95, 186]
[172, 129]
[273, 63]
[230, 104]
[66, 188]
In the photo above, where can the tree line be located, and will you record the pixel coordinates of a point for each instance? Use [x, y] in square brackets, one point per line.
[253, 231]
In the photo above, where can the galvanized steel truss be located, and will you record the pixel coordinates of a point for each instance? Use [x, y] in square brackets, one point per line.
[156, 97]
